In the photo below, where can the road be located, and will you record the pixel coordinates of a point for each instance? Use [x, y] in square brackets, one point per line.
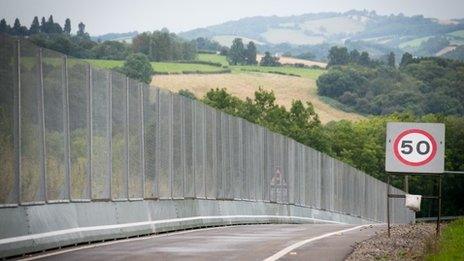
[251, 242]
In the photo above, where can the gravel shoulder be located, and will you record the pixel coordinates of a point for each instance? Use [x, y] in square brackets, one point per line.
[407, 242]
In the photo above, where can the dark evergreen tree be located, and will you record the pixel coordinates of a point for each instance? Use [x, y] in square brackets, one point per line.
[35, 26]
[4, 27]
[364, 59]
[354, 56]
[406, 59]
[236, 53]
[67, 26]
[18, 29]
[251, 54]
[391, 59]
[43, 25]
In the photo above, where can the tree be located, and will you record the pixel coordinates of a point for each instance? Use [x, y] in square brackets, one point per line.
[137, 66]
[251, 54]
[35, 26]
[4, 27]
[236, 53]
[268, 60]
[406, 59]
[81, 30]
[354, 56]
[43, 25]
[67, 26]
[364, 59]
[338, 56]
[18, 29]
[391, 59]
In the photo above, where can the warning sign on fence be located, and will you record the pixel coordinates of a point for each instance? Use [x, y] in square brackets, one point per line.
[415, 147]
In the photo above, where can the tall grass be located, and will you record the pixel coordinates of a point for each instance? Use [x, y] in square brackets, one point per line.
[451, 243]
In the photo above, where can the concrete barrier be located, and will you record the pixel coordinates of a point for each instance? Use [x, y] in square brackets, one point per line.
[27, 229]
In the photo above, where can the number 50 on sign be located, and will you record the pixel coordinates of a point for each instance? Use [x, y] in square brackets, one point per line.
[415, 147]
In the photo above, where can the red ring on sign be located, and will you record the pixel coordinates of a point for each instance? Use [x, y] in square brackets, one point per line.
[420, 163]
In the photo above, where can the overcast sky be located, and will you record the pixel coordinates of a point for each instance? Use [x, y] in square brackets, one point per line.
[104, 16]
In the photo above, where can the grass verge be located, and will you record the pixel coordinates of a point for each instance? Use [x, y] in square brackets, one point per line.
[451, 243]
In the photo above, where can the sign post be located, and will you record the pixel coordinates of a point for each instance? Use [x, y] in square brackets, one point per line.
[414, 149]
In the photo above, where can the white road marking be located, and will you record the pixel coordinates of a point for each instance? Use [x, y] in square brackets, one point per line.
[288, 249]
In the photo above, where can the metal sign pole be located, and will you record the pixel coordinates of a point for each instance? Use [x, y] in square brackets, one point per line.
[388, 203]
[439, 204]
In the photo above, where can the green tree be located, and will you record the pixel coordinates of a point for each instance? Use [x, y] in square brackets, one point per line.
[268, 60]
[4, 27]
[391, 59]
[137, 66]
[35, 26]
[406, 59]
[43, 25]
[81, 31]
[338, 56]
[354, 56]
[67, 26]
[251, 53]
[364, 59]
[111, 50]
[237, 53]
[187, 93]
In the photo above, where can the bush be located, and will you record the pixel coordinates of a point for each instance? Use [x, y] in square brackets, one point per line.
[137, 66]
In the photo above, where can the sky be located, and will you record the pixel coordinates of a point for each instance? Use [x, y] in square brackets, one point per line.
[105, 16]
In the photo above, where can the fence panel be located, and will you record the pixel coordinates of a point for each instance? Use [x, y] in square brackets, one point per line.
[54, 108]
[236, 157]
[119, 162]
[269, 164]
[290, 163]
[211, 168]
[188, 119]
[150, 133]
[100, 142]
[32, 172]
[199, 149]
[164, 145]
[135, 140]
[177, 160]
[8, 123]
[226, 156]
[260, 181]
[219, 156]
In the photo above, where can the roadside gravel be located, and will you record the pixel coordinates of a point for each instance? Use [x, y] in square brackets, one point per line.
[407, 242]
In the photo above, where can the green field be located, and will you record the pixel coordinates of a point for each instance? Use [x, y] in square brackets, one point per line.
[289, 70]
[213, 58]
[459, 33]
[172, 67]
[451, 243]
[160, 67]
[414, 43]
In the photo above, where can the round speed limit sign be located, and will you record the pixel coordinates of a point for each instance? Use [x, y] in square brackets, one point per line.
[415, 147]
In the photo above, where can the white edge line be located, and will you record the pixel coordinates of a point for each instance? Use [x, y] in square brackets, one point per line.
[286, 250]
[147, 223]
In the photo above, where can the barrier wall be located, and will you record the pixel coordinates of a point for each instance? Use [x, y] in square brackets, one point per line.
[74, 133]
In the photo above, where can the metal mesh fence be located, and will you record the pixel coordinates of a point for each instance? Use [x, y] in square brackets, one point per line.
[100, 135]
[54, 110]
[118, 136]
[73, 132]
[8, 122]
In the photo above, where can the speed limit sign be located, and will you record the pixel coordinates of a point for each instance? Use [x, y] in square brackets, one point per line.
[415, 147]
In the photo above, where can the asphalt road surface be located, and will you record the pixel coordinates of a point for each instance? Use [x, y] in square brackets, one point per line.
[251, 242]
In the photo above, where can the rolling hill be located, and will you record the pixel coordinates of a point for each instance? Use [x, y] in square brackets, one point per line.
[368, 31]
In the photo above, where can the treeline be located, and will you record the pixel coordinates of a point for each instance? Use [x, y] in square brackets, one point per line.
[360, 144]
[419, 85]
[157, 45]
[164, 46]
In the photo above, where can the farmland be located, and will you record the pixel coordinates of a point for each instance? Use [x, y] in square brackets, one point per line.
[288, 82]
[286, 89]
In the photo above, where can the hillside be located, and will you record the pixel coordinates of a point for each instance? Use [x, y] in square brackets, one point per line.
[368, 31]
[286, 88]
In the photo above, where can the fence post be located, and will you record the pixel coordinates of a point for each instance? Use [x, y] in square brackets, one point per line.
[126, 137]
[67, 156]
[41, 111]
[17, 122]
[142, 137]
[109, 131]
[89, 128]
